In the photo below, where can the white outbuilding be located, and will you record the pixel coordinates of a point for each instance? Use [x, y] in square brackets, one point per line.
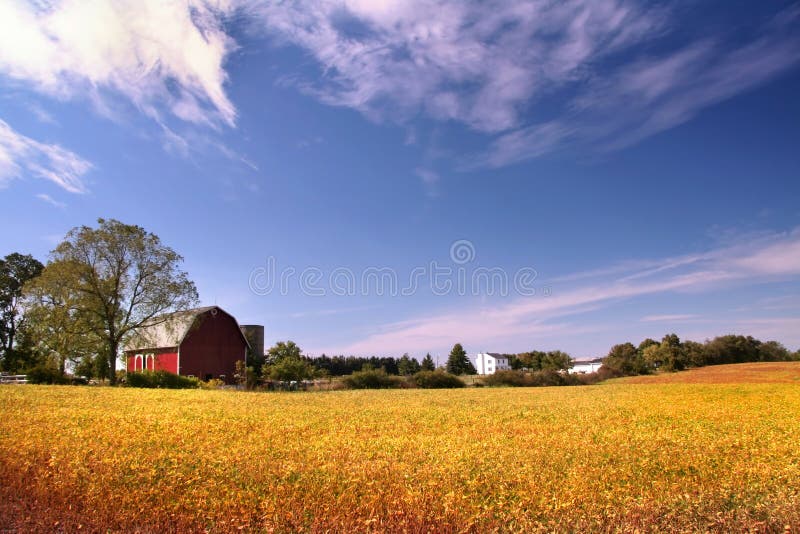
[586, 366]
[487, 363]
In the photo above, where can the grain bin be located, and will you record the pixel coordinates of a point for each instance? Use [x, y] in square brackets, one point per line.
[255, 336]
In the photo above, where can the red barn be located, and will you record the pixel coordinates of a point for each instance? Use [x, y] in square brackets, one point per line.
[203, 342]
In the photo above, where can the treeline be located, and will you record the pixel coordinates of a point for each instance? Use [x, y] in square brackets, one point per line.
[347, 365]
[285, 367]
[671, 354]
[457, 363]
[286, 361]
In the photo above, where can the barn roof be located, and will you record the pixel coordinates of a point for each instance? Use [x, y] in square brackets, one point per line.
[587, 362]
[168, 330]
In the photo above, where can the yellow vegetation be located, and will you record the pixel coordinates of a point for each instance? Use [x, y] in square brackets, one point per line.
[671, 457]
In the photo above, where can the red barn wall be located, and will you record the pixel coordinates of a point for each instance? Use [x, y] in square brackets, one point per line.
[165, 360]
[212, 347]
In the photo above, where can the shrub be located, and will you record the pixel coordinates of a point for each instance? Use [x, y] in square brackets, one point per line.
[289, 368]
[506, 378]
[534, 379]
[436, 380]
[372, 379]
[160, 379]
[588, 379]
[45, 374]
[214, 383]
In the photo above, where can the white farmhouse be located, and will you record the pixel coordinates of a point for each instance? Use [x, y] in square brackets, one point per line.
[586, 366]
[486, 363]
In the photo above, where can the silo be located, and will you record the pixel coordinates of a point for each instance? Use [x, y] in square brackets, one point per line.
[255, 336]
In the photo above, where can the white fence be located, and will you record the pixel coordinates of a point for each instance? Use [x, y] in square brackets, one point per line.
[13, 379]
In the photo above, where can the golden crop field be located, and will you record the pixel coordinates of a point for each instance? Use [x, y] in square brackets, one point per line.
[614, 457]
[742, 373]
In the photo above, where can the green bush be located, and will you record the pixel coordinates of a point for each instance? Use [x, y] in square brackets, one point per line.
[289, 368]
[160, 379]
[436, 380]
[45, 374]
[372, 379]
[534, 379]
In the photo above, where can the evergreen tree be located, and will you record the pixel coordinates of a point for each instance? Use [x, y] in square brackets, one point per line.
[458, 363]
[427, 363]
[407, 365]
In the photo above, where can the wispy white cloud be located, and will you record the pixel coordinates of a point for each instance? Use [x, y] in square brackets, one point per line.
[41, 114]
[479, 63]
[173, 142]
[50, 200]
[162, 56]
[21, 156]
[496, 66]
[531, 76]
[539, 316]
[652, 94]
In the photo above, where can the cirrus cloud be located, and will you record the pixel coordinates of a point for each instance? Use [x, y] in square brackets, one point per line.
[531, 76]
[162, 56]
[513, 324]
[21, 155]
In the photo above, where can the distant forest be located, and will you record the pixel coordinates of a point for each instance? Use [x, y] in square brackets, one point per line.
[670, 354]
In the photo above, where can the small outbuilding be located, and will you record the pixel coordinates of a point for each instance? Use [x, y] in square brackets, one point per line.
[204, 342]
[586, 366]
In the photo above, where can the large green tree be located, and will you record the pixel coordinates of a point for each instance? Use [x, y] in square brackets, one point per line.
[283, 350]
[773, 351]
[117, 278]
[57, 328]
[15, 271]
[285, 362]
[537, 360]
[694, 353]
[669, 355]
[288, 369]
[624, 359]
[458, 363]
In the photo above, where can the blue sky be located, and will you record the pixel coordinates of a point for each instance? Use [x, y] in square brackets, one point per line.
[389, 177]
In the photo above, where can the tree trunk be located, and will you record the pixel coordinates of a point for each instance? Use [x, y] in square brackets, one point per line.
[112, 362]
[10, 342]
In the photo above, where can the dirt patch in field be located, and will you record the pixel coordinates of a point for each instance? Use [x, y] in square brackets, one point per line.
[740, 373]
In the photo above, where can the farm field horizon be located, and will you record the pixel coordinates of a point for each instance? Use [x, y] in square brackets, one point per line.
[665, 453]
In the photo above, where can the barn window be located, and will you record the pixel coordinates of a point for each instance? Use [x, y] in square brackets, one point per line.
[137, 362]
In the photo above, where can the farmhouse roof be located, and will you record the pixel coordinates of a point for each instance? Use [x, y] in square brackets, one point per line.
[167, 330]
